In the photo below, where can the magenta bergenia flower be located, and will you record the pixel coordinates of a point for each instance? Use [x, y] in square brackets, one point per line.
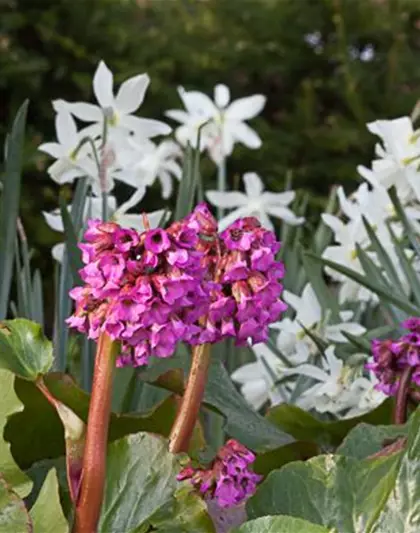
[186, 283]
[146, 290]
[392, 357]
[229, 480]
[247, 297]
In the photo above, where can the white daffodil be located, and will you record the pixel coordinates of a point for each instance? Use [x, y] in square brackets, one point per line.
[398, 160]
[75, 160]
[146, 162]
[256, 381]
[368, 396]
[344, 252]
[293, 340]
[333, 392]
[255, 202]
[118, 109]
[69, 165]
[225, 120]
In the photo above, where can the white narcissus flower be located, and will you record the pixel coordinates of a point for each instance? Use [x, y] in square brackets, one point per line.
[118, 109]
[256, 382]
[333, 392]
[398, 158]
[68, 165]
[344, 252]
[255, 201]
[225, 121]
[369, 396]
[293, 340]
[146, 162]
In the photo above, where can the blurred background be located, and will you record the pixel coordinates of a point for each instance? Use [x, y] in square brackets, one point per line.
[326, 66]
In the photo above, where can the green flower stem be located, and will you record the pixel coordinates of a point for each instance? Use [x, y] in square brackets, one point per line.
[401, 402]
[221, 183]
[187, 415]
[89, 503]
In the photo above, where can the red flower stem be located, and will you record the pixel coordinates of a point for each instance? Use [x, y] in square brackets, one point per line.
[89, 503]
[400, 412]
[390, 449]
[187, 415]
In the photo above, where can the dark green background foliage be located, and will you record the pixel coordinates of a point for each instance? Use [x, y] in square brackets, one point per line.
[319, 97]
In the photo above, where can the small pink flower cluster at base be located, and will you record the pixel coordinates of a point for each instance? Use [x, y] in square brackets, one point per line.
[229, 479]
[186, 283]
[391, 358]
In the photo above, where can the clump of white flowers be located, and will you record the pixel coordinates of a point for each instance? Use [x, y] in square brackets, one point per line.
[107, 143]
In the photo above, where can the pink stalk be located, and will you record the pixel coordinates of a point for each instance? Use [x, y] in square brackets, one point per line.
[187, 415]
[89, 503]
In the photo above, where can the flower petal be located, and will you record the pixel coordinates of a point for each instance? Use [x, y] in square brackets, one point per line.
[57, 252]
[221, 95]
[54, 220]
[284, 214]
[173, 167]
[131, 93]
[145, 127]
[52, 149]
[103, 82]
[246, 135]
[136, 221]
[66, 130]
[253, 184]
[85, 112]
[255, 393]
[226, 200]
[248, 372]
[311, 371]
[166, 183]
[197, 103]
[178, 114]
[246, 108]
[231, 217]
[283, 198]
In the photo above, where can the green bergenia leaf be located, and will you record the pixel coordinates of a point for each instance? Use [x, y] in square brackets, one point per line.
[24, 350]
[142, 491]
[47, 515]
[281, 524]
[380, 495]
[14, 517]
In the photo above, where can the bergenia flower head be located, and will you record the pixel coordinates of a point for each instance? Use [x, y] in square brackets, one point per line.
[391, 358]
[246, 299]
[229, 479]
[151, 290]
[147, 290]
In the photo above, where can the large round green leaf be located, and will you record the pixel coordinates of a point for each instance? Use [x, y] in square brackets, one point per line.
[14, 518]
[280, 524]
[10, 404]
[142, 491]
[354, 496]
[24, 350]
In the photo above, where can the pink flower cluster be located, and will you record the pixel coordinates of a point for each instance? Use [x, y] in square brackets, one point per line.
[229, 479]
[146, 290]
[186, 283]
[391, 358]
[247, 300]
